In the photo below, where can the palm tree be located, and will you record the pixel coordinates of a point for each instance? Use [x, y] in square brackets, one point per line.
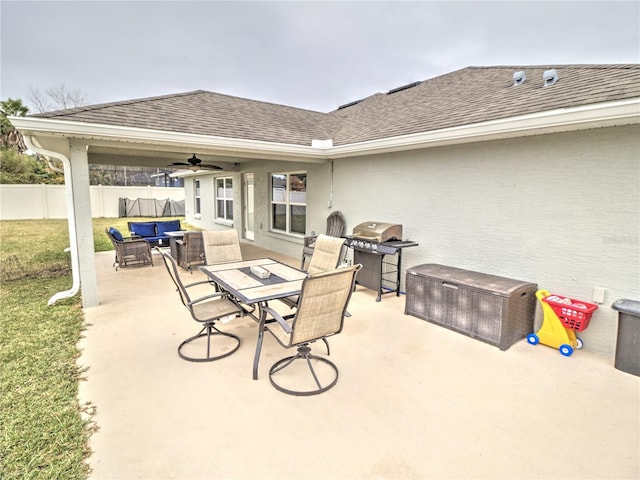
[10, 137]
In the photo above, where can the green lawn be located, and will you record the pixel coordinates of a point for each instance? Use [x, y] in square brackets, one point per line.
[44, 431]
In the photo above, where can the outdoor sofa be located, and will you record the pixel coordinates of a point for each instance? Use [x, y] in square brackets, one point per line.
[154, 232]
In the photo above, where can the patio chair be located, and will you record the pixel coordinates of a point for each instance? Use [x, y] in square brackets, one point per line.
[221, 246]
[335, 228]
[206, 310]
[320, 314]
[190, 250]
[326, 256]
[129, 251]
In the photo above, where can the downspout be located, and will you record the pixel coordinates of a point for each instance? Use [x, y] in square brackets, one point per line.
[330, 202]
[71, 219]
[52, 166]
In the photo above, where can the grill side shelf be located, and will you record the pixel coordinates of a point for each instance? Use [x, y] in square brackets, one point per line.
[377, 273]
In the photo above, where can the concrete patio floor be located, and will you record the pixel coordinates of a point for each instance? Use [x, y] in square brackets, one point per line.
[414, 400]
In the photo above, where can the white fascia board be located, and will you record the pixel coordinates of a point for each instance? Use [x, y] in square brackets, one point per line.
[598, 115]
[97, 131]
[623, 112]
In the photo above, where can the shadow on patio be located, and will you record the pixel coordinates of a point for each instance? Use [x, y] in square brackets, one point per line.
[414, 400]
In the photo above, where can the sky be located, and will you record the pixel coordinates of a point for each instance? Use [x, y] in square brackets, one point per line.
[313, 55]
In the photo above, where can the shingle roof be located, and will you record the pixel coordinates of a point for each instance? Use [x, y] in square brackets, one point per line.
[470, 95]
[478, 94]
[205, 113]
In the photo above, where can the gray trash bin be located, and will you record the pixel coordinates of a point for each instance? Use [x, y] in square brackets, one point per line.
[628, 343]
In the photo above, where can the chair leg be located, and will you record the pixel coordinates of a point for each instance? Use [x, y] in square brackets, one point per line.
[304, 353]
[209, 330]
[326, 342]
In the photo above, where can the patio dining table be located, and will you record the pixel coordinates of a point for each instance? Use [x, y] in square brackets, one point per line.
[256, 282]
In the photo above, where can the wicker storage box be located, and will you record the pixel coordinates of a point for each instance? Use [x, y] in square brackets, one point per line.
[496, 310]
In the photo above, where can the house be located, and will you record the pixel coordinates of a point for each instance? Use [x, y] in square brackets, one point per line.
[528, 172]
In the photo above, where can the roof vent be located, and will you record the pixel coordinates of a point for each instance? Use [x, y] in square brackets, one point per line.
[350, 104]
[519, 78]
[403, 87]
[550, 77]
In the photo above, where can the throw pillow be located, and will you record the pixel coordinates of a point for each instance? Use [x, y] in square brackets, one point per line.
[116, 234]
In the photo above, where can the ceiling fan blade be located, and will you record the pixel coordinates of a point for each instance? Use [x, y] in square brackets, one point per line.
[194, 163]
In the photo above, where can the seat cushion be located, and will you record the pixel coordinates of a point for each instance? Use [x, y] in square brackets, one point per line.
[168, 226]
[144, 229]
[157, 240]
[115, 233]
[215, 309]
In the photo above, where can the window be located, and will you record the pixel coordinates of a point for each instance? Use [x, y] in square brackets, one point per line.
[196, 196]
[224, 199]
[289, 202]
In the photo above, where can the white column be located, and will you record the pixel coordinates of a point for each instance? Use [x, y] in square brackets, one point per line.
[83, 222]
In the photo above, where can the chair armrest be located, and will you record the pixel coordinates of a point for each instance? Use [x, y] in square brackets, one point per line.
[209, 297]
[200, 282]
[133, 239]
[285, 326]
[135, 245]
[218, 294]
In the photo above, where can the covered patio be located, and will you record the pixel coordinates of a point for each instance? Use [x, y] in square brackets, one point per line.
[414, 400]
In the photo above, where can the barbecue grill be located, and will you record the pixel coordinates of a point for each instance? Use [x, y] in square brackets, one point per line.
[373, 243]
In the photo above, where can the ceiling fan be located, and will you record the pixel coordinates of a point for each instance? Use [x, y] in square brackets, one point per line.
[194, 163]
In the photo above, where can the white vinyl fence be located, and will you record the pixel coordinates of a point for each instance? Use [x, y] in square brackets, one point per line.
[30, 202]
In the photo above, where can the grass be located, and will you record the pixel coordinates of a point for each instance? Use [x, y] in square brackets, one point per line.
[45, 432]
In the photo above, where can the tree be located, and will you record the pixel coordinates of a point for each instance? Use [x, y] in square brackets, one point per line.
[58, 97]
[16, 167]
[11, 138]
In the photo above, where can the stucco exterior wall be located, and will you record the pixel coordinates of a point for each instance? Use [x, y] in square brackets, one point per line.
[318, 185]
[287, 244]
[207, 217]
[560, 210]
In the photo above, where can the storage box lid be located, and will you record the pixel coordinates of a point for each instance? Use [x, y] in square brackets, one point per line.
[469, 279]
